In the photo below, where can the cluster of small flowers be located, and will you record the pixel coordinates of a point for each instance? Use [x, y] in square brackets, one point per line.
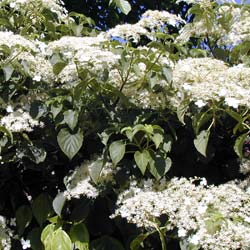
[5, 235]
[239, 25]
[203, 3]
[207, 216]
[107, 174]
[82, 52]
[233, 32]
[151, 20]
[29, 54]
[154, 18]
[19, 121]
[245, 166]
[17, 42]
[79, 183]
[26, 7]
[210, 79]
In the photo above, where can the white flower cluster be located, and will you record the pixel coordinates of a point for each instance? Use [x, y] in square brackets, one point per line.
[27, 7]
[79, 183]
[239, 30]
[16, 41]
[151, 20]
[19, 121]
[154, 18]
[82, 52]
[5, 235]
[210, 79]
[234, 31]
[245, 166]
[209, 217]
[28, 54]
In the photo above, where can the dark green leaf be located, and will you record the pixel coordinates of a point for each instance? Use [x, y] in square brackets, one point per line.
[238, 146]
[42, 208]
[8, 70]
[7, 132]
[142, 159]
[157, 139]
[69, 143]
[23, 218]
[80, 236]
[58, 203]
[181, 111]
[58, 67]
[95, 170]
[159, 166]
[34, 237]
[106, 243]
[117, 151]
[55, 110]
[201, 141]
[136, 243]
[71, 118]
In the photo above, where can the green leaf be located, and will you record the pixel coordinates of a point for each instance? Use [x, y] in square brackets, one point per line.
[95, 170]
[58, 203]
[8, 71]
[136, 243]
[142, 159]
[42, 208]
[71, 118]
[200, 120]
[157, 139]
[69, 143]
[124, 6]
[55, 110]
[201, 141]
[159, 166]
[168, 73]
[238, 146]
[234, 115]
[106, 243]
[167, 144]
[117, 151]
[23, 218]
[35, 154]
[61, 240]
[80, 236]
[181, 111]
[58, 67]
[7, 132]
[47, 236]
[34, 237]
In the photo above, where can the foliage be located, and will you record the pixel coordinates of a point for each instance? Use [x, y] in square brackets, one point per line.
[98, 126]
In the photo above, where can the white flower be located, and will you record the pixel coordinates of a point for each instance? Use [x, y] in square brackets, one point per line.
[200, 103]
[194, 239]
[223, 92]
[37, 78]
[202, 209]
[182, 232]
[19, 121]
[13, 5]
[187, 86]
[9, 109]
[203, 182]
[13, 222]
[25, 243]
[232, 102]
[247, 219]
